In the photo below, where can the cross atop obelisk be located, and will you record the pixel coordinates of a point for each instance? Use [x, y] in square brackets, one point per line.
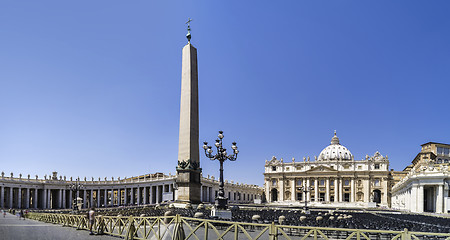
[188, 35]
[188, 169]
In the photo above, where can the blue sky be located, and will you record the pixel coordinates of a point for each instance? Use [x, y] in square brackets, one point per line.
[91, 88]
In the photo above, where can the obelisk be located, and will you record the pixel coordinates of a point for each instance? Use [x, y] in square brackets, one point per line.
[188, 169]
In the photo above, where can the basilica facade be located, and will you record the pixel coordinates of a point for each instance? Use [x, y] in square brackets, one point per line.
[334, 178]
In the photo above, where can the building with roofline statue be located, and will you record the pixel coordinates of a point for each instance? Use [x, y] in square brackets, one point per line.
[336, 179]
[426, 186]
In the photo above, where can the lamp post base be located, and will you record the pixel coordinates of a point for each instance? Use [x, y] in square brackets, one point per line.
[221, 203]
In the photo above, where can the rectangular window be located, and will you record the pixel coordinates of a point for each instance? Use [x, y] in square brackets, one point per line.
[447, 151]
[274, 168]
[274, 182]
[346, 182]
[287, 168]
[377, 166]
[346, 167]
[299, 183]
[331, 182]
[359, 167]
[377, 182]
[322, 182]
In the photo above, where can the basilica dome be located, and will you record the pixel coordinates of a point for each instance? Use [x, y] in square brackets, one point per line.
[335, 151]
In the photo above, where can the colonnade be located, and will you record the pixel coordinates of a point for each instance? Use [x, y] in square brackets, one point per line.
[61, 196]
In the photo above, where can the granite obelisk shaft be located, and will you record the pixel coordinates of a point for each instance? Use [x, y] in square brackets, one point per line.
[188, 170]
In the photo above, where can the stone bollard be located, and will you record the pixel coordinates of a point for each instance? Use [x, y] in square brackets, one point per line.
[281, 219]
[199, 215]
[255, 218]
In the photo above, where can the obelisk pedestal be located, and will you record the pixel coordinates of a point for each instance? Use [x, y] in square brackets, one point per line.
[188, 169]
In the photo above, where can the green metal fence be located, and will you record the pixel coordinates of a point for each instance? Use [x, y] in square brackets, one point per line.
[178, 227]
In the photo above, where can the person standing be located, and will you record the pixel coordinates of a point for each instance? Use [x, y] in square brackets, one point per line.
[91, 220]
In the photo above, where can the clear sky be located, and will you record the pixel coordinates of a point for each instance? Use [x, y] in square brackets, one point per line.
[92, 88]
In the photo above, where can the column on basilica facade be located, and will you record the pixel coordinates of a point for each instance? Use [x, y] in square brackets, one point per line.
[352, 190]
[327, 190]
[59, 198]
[308, 195]
[336, 190]
[293, 192]
[316, 189]
[366, 187]
[125, 197]
[341, 190]
[304, 195]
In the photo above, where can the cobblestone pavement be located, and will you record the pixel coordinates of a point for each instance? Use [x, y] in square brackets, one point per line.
[11, 228]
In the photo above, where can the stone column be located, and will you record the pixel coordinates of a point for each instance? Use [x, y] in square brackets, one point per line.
[35, 199]
[336, 190]
[125, 197]
[70, 199]
[440, 199]
[10, 197]
[145, 194]
[367, 192]
[340, 190]
[157, 194]
[98, 197]
[19, 198]
[2, 197]
[44, 198]
[304, 195]
[293, 192]
[91, 200]
[327, 190]
[49, 199]
[420, 199]
[316, 190]
[352, 190]
[308, 195]
[64, 198]
[84, 198]
[132, 196]
[119, 197]
[138, 195]
[151, 195]
[106, 198]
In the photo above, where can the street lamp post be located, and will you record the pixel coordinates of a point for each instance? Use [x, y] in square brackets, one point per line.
[305, 190]
[75, 187]
[221, 156]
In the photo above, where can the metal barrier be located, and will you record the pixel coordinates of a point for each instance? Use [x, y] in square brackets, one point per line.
[178, 227]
